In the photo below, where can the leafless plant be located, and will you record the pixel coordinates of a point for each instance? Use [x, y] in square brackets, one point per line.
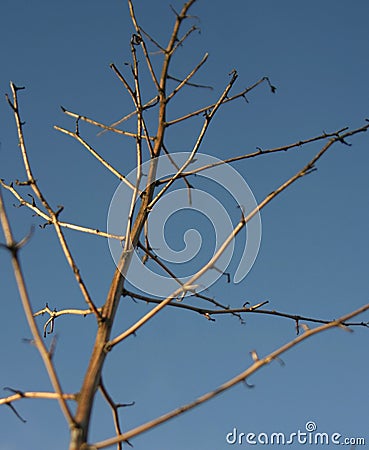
[149, 146]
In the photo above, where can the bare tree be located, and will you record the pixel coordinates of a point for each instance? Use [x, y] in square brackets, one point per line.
[147, 186]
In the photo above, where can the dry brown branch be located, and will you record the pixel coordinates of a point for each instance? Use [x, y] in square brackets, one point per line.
[93, 374]
[151, 103]
[258, 364]
[226, 100]
[259, 152]
[13, 248]
[44, 216]
[208, 313]
[94, 153]
[101, 125]
[19, 395]
[140, 41]
[208, 117]
[158, 261]
[154, 41]
[188, 77]
[52, 214]
[188, 185]
[114, 409]
[53, 314]
[191, 286]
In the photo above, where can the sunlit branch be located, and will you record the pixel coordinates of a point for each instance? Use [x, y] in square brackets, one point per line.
[150, 104]
[94, 153]
[136, 97]
[44, 216]
[19, 395]
[13, 248]
[53, 314]
[143, 45]
[190, 285]
[101, 125]
[186, 35]
[52, 214]
[188, 185]
[208, 118]
[188, 77]
[241, 377]
[154, 41]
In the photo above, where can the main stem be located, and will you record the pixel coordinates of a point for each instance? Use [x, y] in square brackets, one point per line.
[79, 432]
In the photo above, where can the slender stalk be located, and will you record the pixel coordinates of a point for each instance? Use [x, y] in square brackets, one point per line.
[13, 247]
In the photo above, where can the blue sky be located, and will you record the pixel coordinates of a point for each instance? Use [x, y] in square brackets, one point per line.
[314, 251]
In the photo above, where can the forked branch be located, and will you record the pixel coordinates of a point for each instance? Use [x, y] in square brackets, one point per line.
[241, 377]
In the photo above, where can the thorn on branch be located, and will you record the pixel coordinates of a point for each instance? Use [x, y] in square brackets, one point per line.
[33, 199]
[272, 88]
[342, 140]
[245, 98]
[18, 88]
[125, 405]
[14, 391]
[44, 225]
[311, 170]
[59, 210]
[10, 102]
[249, 386]
[254, 356]
[174, 11]
[208, 316]
[305, 327]
[16, 412]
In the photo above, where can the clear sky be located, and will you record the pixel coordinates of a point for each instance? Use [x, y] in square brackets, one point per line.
[314, 251]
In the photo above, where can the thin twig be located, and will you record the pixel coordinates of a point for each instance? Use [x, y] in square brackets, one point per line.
[114, 408]
[96, 155]
[209, 107]
[245, 310]
[208, 118]
[52, 214]
[151, 103]
[143, 45]
[259, 152]
[101, 125]
[41, 395]
[54, 314]
[44, 216]
[13, 249]
[188, 77]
